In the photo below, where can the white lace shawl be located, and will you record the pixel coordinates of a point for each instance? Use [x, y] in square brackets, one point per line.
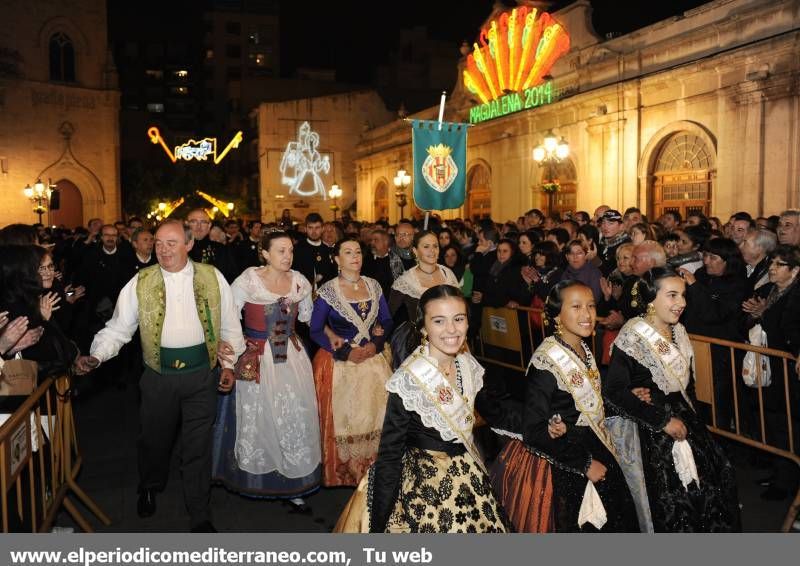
[331, 292]
[409, 284]
[249, 288]
[415, 399]
[671, 379]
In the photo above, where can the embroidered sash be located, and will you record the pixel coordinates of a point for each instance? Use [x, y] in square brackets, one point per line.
[585, 391]
[426, 391]
[675, 366]
[333, 295]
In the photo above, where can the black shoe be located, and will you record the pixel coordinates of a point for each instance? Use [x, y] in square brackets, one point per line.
[773, 493]
[204, 527]
[146, 505]
[766, 482]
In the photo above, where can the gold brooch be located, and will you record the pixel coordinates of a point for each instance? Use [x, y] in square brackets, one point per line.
[576, 378]
[662, 347]
[177, 364]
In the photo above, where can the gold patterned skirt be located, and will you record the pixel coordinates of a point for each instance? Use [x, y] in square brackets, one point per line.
[438, 493]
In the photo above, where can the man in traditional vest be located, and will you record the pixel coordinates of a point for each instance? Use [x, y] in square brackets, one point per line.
[183, 310]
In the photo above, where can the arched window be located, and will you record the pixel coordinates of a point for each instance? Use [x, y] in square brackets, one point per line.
[381, 202]
[479, 193]
[62, 58]
[683, 176]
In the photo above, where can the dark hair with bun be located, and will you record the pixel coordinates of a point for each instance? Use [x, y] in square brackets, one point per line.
[422, 233]
[269, 237]
[338, 247]
[554, 300]
[432, 294]
[647, 286]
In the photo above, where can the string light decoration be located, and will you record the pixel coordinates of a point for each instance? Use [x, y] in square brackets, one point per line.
[302, 164]
[199, 150]
[514, 52]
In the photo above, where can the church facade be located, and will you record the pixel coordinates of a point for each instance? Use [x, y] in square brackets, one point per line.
[59, 112]
[697, 112]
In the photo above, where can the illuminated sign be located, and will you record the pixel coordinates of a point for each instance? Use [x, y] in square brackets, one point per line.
[302, 164]
[198, 150]
[514, 102]
[516, 52]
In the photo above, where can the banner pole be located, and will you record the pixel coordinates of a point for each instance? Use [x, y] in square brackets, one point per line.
[441, 117]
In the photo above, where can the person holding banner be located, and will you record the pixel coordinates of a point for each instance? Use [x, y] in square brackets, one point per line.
[429, 476]
[407, 289]
[690, 483]
[350, 368]
[564, 387]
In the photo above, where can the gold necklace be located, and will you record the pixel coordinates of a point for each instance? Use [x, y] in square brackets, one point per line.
[354, 283]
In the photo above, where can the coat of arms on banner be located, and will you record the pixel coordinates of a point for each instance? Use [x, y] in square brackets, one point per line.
[439, 170]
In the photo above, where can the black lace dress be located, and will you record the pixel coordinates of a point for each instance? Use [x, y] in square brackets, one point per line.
[712, 506]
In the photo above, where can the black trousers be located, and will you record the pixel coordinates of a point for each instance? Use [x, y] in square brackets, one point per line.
[187, 401]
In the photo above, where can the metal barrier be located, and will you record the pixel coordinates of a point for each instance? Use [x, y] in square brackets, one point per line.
[51, 466]
[503, 340]
[706, 392]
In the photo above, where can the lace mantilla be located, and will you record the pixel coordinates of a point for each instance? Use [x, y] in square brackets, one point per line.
[670, 368]
[331, 292]
[416, 400]
[409, 284]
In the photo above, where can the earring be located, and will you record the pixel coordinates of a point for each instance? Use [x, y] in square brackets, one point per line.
[424, 341]
[635, 295]
[559, 331]
[651, 311]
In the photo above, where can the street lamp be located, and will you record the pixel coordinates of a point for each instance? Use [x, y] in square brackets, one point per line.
[549, 154]
[401, 181]
[335, 192]
[39, 195]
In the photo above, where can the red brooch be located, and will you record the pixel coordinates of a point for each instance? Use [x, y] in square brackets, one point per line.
[445, 395]
[576, 378]
[662, 347]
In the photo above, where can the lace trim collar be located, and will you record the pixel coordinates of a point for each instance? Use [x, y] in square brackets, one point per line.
[671, 365]
[408, 284]
[258, 291]
[331, 292]
[404, 383]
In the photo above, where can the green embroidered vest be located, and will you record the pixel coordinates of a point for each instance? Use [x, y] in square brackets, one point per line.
[151, 293]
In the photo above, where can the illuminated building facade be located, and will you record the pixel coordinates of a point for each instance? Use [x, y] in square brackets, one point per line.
[59, 111]
[696, 112]
[305, 146]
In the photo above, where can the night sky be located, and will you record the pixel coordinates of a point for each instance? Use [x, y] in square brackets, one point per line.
[353, 37]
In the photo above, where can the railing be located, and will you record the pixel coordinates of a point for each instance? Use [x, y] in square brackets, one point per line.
[508, 337]
[48, 467]
[706, 392]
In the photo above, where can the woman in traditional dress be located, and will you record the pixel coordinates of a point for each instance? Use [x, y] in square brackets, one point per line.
[407, 289]
[589, 489]
[349, 322]
[266, 440]
[428, 476]
[690, 483]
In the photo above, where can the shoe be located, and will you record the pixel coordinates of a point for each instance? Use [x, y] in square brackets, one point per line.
[773, 493]
[298, 505]
[765, 482]
[204, 527]
[146, 505]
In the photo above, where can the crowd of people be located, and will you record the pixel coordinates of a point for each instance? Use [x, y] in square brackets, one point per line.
[295, 355]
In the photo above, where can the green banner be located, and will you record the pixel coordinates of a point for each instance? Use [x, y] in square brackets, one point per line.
[440, 164]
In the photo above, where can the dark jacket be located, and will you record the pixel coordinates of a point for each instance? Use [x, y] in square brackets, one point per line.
[714, 306]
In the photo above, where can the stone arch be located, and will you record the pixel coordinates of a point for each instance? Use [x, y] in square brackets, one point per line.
[478, 200]
[66, 26]
[652, 152]
[85, 180]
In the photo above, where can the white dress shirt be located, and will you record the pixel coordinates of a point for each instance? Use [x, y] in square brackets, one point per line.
[182, 326]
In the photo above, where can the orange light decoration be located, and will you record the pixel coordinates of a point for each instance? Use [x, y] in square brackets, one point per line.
[516, 51]
[199, 150]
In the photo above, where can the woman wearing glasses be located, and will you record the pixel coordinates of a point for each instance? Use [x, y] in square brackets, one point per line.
[266, 440]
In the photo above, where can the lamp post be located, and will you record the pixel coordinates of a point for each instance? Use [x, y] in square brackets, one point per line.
[335, 192]
[549, 154]
[401, 181]
[39, 195]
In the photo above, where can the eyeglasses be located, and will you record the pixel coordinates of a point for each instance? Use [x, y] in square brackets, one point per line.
[46, 268]
[779, 263]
